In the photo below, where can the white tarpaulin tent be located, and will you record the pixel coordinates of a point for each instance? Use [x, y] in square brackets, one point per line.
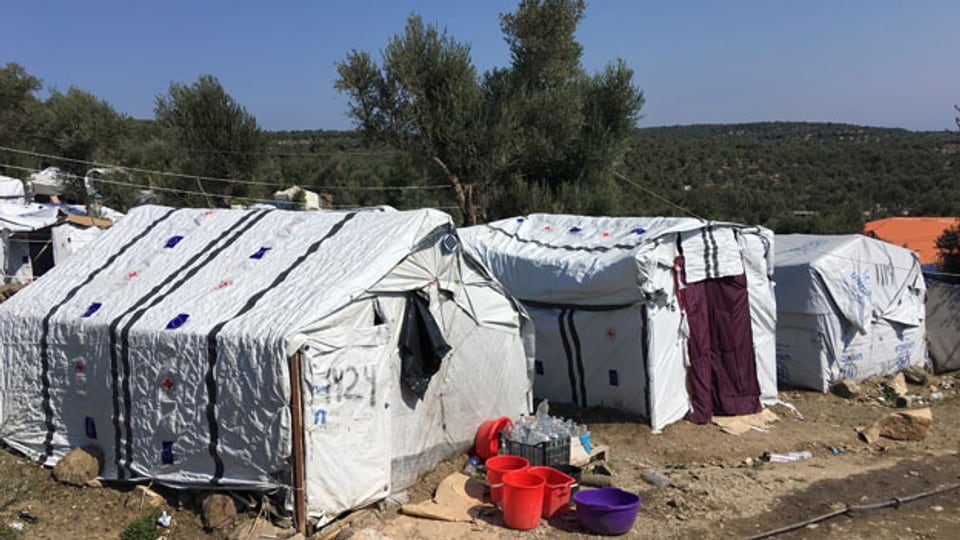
[848, 306]
[176, 350]
[615, 302]
[37, 236]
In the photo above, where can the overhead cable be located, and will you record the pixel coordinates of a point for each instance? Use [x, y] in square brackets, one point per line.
[211, 178]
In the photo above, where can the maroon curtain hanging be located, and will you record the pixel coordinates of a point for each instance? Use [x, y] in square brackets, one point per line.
[722, 378]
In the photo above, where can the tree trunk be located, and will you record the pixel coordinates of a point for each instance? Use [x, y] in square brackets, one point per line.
[464, 193]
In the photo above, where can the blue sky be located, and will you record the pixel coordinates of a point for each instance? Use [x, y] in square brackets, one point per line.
[873, 62]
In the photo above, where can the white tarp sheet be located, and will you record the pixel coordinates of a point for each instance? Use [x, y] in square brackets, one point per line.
[169, 351]
[602, 294]
[848, 306]
[11, 190]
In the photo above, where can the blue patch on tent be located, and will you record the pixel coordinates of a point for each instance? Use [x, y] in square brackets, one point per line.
[166, 452]
[520, 220]
[449, 244]
[26, 259]
[177, 321]
[92, 309]
[260, 253]
[575, 229]
[639, 230]
[614, 377]
[173, 241]
[90, 427]
[538, 367]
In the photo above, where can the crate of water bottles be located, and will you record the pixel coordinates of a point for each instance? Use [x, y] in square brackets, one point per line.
[540, 438]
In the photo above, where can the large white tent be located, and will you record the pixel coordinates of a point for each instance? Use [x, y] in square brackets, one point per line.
[629, 312]
[848, 306]
[332, 355]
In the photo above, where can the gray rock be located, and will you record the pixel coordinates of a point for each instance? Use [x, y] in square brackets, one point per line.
[846, 388]
[915, 375]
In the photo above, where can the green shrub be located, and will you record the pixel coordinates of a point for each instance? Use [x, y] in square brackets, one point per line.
[142, 528]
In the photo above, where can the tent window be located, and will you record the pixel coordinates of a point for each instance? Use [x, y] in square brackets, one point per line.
[538, 367]
[378, 317]
[614, 377]
[422, 346]
[90, 427]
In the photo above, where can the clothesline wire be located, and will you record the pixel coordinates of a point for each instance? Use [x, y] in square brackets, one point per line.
[211, 178]
[216, 195]
[657, 195]
[185, 191]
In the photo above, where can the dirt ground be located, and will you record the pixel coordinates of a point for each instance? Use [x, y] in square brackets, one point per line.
[717, 493]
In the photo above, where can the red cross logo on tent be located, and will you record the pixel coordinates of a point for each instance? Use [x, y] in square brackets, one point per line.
[224, 284]
[167, 384]
[79, 366]
[133, 274]
[610, 333]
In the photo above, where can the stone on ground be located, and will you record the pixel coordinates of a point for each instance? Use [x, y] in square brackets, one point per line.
[915, 375]
[909, 425]
[79, 466]
[846, 388]
[219, 510]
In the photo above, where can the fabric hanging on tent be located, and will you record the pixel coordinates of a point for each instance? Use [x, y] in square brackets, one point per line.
[722, 378]
[422, 346]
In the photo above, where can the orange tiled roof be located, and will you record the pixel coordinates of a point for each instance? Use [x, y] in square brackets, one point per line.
[917, 233]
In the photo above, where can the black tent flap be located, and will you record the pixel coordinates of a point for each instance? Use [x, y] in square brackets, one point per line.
[422, 346]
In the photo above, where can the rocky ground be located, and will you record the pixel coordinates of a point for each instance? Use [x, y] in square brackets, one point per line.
[722, 488]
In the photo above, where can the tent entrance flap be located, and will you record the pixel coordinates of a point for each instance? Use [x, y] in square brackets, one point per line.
[422, 346]
[722, 378]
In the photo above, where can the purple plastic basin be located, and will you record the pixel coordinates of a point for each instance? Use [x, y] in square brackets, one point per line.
[607, 510]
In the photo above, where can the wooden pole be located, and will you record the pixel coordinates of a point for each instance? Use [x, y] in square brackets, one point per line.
[296, 412]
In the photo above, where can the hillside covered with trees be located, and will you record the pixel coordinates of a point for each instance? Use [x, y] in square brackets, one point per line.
[537, 135]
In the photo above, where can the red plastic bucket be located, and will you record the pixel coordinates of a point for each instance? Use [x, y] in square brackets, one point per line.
[556, 490]
[497, 466]
[522, 499]
[487, 441]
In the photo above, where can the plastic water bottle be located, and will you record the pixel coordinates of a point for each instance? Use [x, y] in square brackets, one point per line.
[789, 457]
[470, 469]
[656, 478]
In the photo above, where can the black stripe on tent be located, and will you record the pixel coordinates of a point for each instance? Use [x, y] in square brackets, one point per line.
[716, 252]
[45, 331]
[706, 253]
[567, 352]
[234, 232]
[212, 344]
[579, 358]
[578, 307]
[593, 249]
